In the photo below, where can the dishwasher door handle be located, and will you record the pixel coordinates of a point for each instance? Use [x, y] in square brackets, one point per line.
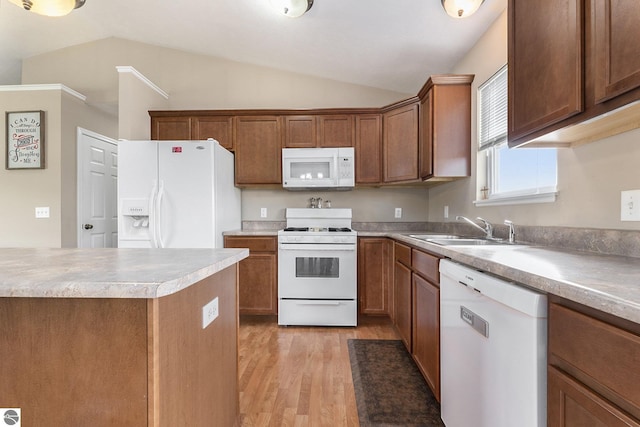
[476, 322]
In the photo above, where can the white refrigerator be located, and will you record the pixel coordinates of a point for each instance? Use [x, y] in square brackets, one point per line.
[175, 194]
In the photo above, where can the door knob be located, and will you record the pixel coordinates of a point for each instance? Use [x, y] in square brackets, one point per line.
[88, 226]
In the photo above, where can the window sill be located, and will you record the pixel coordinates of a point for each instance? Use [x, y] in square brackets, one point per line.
[549, 197]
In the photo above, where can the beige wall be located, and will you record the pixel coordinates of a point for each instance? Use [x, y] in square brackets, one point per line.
[21, 191]
[136, 97]
[368, 204]
[194, 81]
[590, 177]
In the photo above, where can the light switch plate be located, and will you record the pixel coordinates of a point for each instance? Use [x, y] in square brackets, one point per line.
[630, 205]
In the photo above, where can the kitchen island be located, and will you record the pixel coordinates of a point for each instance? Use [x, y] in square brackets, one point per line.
[106, 337]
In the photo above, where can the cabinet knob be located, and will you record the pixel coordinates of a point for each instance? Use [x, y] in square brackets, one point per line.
[88, 226]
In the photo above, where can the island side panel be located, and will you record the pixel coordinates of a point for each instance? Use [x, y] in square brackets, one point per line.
[193, 371]
[75, 362]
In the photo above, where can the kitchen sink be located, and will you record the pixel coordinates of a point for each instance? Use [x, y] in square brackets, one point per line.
[468, 242]
[453, 240]
[435, 236]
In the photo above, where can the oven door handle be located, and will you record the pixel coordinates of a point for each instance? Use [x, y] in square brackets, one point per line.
[312, 302]
[315, 247]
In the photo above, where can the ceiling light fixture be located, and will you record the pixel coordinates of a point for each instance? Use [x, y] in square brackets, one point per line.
[292, 8]
[49, 7]
[461, 8]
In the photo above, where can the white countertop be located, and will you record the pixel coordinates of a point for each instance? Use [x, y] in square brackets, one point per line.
[108, 273]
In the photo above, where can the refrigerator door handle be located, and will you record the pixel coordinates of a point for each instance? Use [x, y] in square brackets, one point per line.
[159, 214]
[152, 215]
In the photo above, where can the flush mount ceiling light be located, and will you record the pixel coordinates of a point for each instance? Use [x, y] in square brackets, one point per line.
[49, 7]
[461, 8]
[292, 8]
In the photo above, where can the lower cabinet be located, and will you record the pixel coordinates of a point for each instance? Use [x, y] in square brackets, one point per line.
[258, 274]
[374, 275]
[426, 317]
[402, 293]
[593, 375]
[426, 331]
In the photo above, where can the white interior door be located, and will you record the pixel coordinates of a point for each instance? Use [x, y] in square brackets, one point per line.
[97, 190]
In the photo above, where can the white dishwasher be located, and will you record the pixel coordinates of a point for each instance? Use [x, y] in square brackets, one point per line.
[493, 350]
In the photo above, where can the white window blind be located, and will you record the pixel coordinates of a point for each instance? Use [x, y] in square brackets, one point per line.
[493, 110]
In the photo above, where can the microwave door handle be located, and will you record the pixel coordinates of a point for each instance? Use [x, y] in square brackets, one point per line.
[336, 177]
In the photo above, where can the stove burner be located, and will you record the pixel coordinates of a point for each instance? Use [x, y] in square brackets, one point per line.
[341, 229]
[296, 229]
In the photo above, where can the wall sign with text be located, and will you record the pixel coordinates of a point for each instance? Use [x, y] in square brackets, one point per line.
[25, 140]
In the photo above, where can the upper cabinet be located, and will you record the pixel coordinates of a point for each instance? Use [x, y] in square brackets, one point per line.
[368, 148]
[423, 139]
[219, 128]
[445, 127]
[570, 63]
[258, 150]
[400, 143]
[172, 126]
[310, 131]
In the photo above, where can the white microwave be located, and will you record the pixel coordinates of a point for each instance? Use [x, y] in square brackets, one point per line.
[318, 168]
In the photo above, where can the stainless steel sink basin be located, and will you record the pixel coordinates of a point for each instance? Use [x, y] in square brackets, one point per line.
[453, 240]
[468, 242]
[435, 236]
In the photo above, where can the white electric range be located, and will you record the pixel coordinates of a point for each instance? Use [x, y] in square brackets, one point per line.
[317, 263]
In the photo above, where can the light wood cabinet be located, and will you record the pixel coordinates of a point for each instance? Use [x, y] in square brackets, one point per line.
[426, 317]
[258, 274]
[219, 128]
[423, 138]
[335, 130]
[368, 148]
[445, 127]
[258, 148]
[570, 63]
[321, 130]
[300, 131]
[400, 143]
[193, 127]
[402, 293]
[593, 376]
[374, 275]
[171, 128]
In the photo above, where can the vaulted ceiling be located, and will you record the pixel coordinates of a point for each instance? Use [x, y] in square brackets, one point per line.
[389, 44]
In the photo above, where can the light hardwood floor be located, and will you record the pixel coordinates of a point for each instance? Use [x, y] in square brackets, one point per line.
[300, 376]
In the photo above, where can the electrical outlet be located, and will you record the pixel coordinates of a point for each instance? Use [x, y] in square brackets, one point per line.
[263, 212]
[209, 312]
[446, 211]
[398, 213]
[630, 205]
[42, 212]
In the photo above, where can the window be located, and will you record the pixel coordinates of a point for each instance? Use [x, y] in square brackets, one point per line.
[523, 175]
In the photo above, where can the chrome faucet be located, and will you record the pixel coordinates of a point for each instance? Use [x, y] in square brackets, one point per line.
[488, 228]
[512, 231]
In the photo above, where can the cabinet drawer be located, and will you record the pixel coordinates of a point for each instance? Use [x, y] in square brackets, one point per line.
[402, 254]
[603, 356]
[255, 244]
[426, 265]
